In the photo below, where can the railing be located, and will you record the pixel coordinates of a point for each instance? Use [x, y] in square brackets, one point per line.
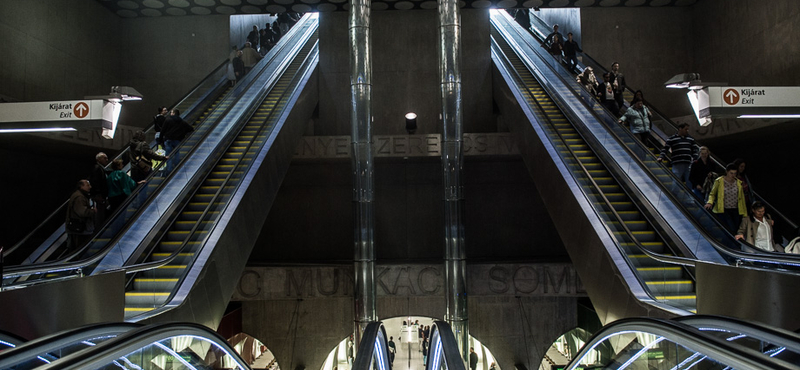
[444, 353]
[373, 351]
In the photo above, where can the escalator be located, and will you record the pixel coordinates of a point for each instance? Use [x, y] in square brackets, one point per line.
[45, 242]
[663, 344]
[633, 227]
[166, 182]
[602, 249]
[47, 349]
[180, 242]
[200, 226]
[171, 346]
[662, 128]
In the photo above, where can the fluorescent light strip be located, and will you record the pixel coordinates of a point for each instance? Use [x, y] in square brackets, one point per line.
[48, 129]
[769, 116]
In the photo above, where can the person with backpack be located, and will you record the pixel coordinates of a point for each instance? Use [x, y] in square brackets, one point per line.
[141, 156]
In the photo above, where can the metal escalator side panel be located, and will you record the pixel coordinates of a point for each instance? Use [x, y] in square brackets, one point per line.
[273, 141]
[188, 345]
[615, 262]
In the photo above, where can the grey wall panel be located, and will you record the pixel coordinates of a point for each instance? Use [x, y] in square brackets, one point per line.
[164, 58]
[404, 72]
[311, 219]
[53, 307]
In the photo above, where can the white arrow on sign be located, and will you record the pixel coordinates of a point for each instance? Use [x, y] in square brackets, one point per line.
[731, 97]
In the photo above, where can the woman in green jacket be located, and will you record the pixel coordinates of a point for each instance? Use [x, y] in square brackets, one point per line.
[726, 199]
[120, 185]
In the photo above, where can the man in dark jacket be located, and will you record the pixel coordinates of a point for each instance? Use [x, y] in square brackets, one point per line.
[175, 130]
[571, 50]
[238, 66]
[99, 193]
[158, 123]
[79, 217]
[253, 37]
[473, 358]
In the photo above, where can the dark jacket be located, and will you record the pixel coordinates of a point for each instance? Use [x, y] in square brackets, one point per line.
[253, 38]
[78, 208]
[699, 171]
[238, 67]
[98, 181]
[175, 128]
[158, 122]
[571, 48]
[142, 151]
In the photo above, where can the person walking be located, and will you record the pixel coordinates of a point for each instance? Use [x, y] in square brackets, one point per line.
[699, 171]
[141, 156]
[638, 116]
[473, 359]
[79, 221]
[683, 151]
[726, 199]
[757, 229]
[175, 130]
[571, 50]
[99, 193]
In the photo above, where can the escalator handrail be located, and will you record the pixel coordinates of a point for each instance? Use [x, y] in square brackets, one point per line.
[46, 344]
[687, 336]
[443, 342]
[716, 160]
[130, 269]
[122, 154]
[776, 336]
[110, 350]
[659, 257]
[737, 256]
[374, 335]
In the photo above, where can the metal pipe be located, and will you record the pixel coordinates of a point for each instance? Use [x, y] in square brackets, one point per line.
[453, 165]
[365, 305]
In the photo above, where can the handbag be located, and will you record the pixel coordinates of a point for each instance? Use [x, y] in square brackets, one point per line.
[141, 162]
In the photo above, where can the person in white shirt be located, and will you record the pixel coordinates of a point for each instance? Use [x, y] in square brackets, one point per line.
[757, 229]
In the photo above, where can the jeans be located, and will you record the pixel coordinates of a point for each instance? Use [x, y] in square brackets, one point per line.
[731, 219]
[170, 145]
[681, 170]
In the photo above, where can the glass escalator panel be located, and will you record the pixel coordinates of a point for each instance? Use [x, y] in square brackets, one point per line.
[178, 352]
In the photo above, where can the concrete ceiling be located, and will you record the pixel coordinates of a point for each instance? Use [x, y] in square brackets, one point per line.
[159, 8]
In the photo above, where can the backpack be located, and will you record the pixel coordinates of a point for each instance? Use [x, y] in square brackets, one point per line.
[142, 163]
[793, 246]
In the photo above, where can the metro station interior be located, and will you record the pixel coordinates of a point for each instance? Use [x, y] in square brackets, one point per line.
[512, 214]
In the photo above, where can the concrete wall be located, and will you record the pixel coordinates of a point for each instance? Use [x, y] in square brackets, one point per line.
[747, 42]
[165, 57]
[650, 44]
[311, 219]
[46, 56]
[405, 72]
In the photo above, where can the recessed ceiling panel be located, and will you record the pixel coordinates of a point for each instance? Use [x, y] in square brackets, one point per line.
[153, 8]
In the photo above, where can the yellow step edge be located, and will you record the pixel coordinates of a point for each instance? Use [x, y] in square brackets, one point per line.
[139, 309]
[676, 282]
[676, 297]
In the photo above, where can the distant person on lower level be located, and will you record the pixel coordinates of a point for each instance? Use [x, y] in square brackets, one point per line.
[683, 151]
[250, 57]
[571, 50]
[699, 171]
[276, 32]
[638, 117]
[175, 130]
[120, 185]
[473, 359]
[726, 199]
[757, 229]
[79, 222]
